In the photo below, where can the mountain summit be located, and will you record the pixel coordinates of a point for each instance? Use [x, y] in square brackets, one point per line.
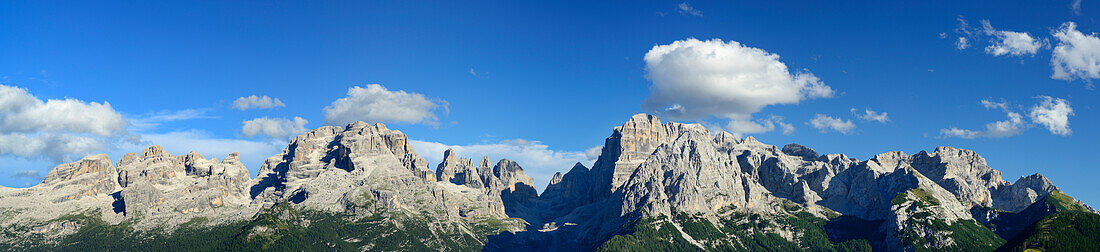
[655, 186]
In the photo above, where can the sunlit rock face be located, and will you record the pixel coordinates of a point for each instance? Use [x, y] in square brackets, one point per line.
[157, 182]
[647, 169]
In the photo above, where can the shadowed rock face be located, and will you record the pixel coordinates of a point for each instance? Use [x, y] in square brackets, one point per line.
[801, 151]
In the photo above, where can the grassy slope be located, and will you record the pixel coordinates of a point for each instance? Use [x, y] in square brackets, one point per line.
[1072, 228]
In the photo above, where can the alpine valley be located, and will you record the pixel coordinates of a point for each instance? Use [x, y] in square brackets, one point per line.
[656, 186]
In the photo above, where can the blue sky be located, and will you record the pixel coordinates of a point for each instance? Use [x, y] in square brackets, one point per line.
[542, 82]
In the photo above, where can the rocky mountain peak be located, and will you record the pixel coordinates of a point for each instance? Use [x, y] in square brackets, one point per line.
[92, 175]
[87, 166]
[725, 138]
[160, 184]
[891, 160]
[153, 151]
[633, 142]
[459, 171]
[678, 174]
[510, 173]
[750, 140]
[800, 151]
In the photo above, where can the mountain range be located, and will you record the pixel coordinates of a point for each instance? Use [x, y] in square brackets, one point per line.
[657, 186]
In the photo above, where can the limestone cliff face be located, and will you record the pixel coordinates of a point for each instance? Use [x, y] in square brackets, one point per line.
[628, 147]
[652, 168]
[154, 190]
[336, 169]
[157, 183]
[504, 188]
[691, 175]
[459, 171]
[333, 168]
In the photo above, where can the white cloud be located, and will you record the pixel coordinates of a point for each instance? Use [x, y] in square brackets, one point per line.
[963, 27]
[152, 120]
[988, 104]
[1077, 55]
[964, 31]
[593, 153]
[825, 123]
[871, 115]
[53, 146]
[999, 129]
[22, 112]
[34, 174]
[742, 127]
[695, 79]
[537, 159]
[962, 43]
[257, 102]
[375, 104]
[58, 130]
[278, 128]
[686, 9]
[1075, 6]
[1053, 114]
[1010, 42]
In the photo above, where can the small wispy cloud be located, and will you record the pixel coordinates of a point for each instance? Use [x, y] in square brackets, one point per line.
[871, 115]
[825, 123]
[257, 102]
[33, 174]
[153, 119]
[686, 9]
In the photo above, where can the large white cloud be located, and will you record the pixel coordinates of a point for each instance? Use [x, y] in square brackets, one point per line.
[695, 79]
[1053, 114]
[1010, 42]
[278, 128]
[537, 159]
[58, 130]
[53, 146]
[257, 102]
[1077, 55]
[825, 123]
[22, 112]
[377, 104]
